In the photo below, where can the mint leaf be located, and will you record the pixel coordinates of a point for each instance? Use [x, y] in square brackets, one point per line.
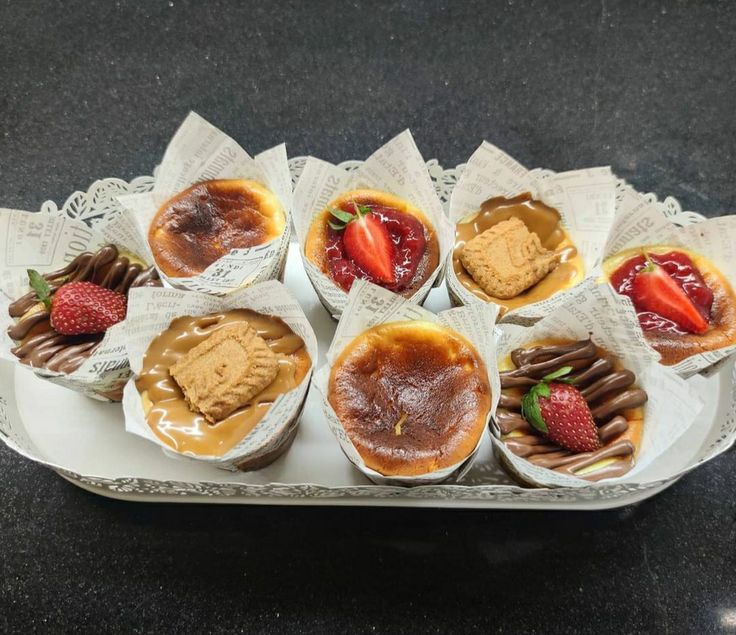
[40, 286]
[560, 372]
[530, 409]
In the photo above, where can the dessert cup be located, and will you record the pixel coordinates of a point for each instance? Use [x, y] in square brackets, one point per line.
[185, 380]
[700, 257]
[596, 316]
[524, 240]
[590, 425]
[436, 436]
[393, 181]
[217, 220]
[63, 250]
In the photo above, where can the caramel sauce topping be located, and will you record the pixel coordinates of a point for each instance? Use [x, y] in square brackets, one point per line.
[167, 411]
[539, 218]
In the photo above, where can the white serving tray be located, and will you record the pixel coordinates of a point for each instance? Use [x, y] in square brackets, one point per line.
[85, 440]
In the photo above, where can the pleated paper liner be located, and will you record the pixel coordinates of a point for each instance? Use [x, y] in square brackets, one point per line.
[369, 305]
[49, 242]
[595, 311]
[640, 222]
[396, 168]
[584, 198]
[152, 310]
[198, 152]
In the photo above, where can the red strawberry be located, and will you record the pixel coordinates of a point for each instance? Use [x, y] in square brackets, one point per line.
[80, 308]
[560, 412]
[654, 290]
[367, 242]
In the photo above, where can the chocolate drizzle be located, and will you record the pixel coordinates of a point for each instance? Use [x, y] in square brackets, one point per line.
[608, 389]
[39, 345]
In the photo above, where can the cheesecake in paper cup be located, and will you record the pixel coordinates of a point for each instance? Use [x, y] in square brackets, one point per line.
[521, 241]
[382, 222]
[590, 345]
[407, 392]
[217, 219]
[63, 251]
[649, 259]
[221, 380]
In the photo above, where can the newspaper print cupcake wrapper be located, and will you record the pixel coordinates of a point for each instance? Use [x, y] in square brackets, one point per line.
[369, 305]
[397, 168]
[48, 242]
[640, 222]
[597, 311]
[150, 311]
[585, 199]
[200, 152]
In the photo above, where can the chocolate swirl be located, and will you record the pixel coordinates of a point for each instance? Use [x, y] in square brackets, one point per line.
[608, 391]
[39, 345]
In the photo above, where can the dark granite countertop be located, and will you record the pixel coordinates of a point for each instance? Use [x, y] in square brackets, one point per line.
[95, 90]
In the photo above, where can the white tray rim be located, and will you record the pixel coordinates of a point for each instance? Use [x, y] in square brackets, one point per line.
[99, 200]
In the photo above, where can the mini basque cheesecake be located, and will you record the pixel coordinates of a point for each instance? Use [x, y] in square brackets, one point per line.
[514, 252]
[413, 397]
[208, 220]
[684, 304]
[207, 381]
[63, 319]
[571, 407]
[374, 236]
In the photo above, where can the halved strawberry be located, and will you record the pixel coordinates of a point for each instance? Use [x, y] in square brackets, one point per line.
[654, 290]
[367, 242]
[560, 412]
[79, 308]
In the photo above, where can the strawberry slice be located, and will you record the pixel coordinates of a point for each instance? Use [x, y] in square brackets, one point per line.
[654, 290]
[367, 242]
[559, 411]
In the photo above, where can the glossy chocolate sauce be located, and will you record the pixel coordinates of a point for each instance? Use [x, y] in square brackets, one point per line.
[167, 412]
[39, 345]
[609, 390]
[208, 220]
[540, 219]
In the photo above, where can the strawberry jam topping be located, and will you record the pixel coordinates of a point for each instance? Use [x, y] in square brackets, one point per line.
[682, 270]
[407, 235]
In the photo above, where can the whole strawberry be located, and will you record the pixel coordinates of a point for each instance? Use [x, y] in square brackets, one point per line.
[560, 412]
[80, 308]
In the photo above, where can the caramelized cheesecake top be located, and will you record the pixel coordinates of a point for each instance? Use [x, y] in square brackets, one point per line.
[412, 396]
[205, 222]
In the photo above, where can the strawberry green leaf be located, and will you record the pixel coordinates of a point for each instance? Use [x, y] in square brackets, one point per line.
[40, 286]
[531, 411]
[560, 372]
[649, 264]
[336, 226]
[364, 209]
[345, 217]
[542, 390]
